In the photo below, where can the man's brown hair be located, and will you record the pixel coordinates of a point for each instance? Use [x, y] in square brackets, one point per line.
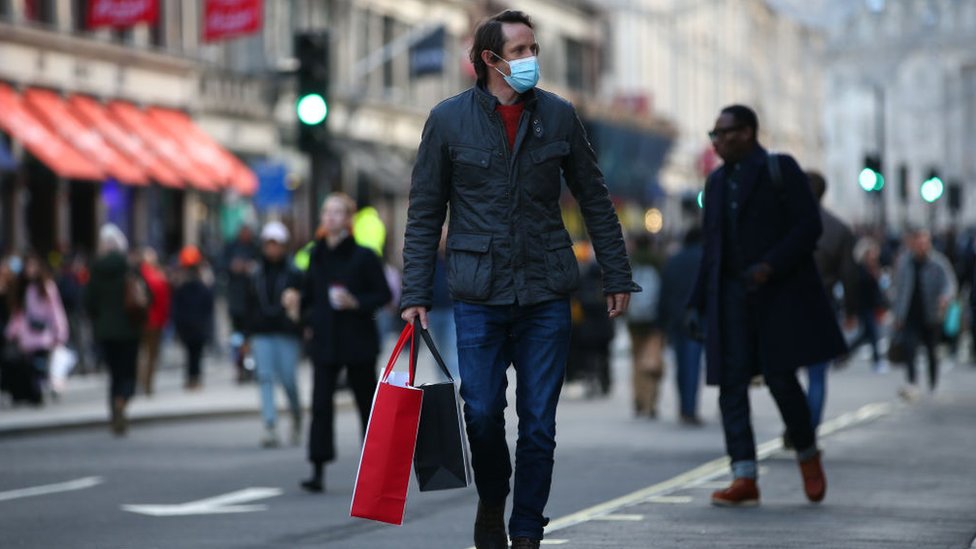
[489, 36]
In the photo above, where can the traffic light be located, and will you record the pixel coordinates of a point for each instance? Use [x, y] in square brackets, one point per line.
[312, 102]
[932, 188]
[954, 195]
[870, 178]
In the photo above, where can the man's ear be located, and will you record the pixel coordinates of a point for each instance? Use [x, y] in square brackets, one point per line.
[488, 58]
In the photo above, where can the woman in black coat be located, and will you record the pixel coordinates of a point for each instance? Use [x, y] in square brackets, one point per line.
[344, 288]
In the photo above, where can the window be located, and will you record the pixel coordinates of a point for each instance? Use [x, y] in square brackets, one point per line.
[123, 35]
[80, 15]
[389, 29]
[6, 9]
[575, 65]
[42, 11]
[157, 30]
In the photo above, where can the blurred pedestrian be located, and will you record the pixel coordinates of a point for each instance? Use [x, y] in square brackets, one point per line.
[924, 284]
[192, 312]
[8, 351]
[511, 267]
[344, 287]
[112, 302]
[677, 282]
[38, 322]
[273, 331]
[646, 335]
[593, 331]
[765, 306]
[870, 300]
[834, 256]
[158, 316]
[71, 279]
[240, 258]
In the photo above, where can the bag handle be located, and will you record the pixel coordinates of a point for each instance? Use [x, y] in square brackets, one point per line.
[405, 336]
[418, 328]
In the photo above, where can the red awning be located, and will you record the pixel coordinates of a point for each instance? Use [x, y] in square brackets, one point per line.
[165, 146]
[243, 180]
[96, 116]
[51, 108]
[206, 151]
[50, 149]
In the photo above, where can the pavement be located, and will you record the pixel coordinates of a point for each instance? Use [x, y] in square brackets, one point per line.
[900, 474]
[84, 401]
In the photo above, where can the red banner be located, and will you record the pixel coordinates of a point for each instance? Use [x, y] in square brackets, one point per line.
[121, 13]
[230, 18]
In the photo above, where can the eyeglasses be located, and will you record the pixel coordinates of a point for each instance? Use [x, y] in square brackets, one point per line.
[721, 132]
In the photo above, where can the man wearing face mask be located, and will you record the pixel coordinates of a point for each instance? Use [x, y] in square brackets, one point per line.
[496, 154]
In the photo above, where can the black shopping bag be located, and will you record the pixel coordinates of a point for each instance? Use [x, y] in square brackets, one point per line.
[441, 458]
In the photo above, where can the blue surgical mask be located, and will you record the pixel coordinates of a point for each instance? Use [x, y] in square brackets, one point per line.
[525, 73]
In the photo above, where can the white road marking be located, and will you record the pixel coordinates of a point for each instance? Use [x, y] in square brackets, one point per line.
[71, 485]
[708, 472]
[670, 499]
[545, 542]
[621, 517]
[226, 503]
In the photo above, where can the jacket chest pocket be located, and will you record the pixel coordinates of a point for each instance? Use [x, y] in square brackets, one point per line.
[469, 266]
[471, 165]
[547, 160]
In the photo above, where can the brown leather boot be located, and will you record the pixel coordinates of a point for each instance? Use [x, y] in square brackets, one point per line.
[525, 543]
[743, 492]
[489, 527]
[814, 480]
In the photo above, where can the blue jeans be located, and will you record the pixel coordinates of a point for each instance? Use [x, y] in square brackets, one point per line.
[687, 354]
[740, 361]
[444, 332]
[535, 339]
[816, 391]
[276, 359]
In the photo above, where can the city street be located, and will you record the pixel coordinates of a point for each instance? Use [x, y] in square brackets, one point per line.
[900, 476]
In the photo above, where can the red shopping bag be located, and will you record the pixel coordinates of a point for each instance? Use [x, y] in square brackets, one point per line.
[391, 435]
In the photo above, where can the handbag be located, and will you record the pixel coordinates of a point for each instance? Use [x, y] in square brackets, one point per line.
[897, 352]
[441, 460]
[383, 476]
[136, 298]
[952, 323]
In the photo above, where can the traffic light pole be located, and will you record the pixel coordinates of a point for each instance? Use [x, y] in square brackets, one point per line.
[879, 95]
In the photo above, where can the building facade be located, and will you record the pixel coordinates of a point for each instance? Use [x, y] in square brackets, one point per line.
[241, 92]
[901, 84]
[688, 59]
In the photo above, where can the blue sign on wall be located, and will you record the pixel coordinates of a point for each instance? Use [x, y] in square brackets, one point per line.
[272, 191]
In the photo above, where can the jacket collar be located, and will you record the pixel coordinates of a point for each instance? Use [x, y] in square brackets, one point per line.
[489, 102]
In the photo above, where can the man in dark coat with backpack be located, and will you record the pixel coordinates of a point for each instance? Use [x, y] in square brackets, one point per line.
[765, 308]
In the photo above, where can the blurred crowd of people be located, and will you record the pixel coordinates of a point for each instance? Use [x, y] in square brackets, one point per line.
[870, 276]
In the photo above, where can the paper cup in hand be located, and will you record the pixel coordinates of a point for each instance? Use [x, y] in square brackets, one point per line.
[290, 301]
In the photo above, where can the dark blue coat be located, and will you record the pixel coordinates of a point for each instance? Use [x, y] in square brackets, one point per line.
[796, 323]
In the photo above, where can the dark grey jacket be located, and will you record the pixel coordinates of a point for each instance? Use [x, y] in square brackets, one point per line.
[506, 239]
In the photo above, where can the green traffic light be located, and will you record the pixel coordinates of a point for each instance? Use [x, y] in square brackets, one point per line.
[312, 109]
[931, 189]
[870, 180]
